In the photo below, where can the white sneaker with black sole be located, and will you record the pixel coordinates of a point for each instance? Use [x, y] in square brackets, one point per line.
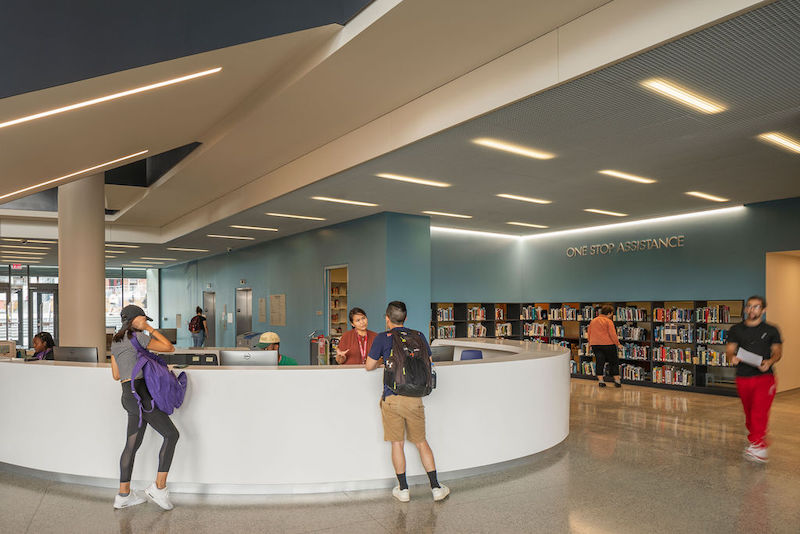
[440, 493]
[159, 496]
[131, 499]
[757, 454]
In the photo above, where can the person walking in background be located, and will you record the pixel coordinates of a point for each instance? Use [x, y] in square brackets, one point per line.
[123, 360]
[199, 328]
[355, 344]
[401, 412]
[603, 339]
[754, 347]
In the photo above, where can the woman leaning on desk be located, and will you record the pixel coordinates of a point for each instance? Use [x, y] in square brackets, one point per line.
[355, 344]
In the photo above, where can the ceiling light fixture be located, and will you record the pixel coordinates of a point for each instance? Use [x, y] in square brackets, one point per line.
[110, 257]
[148, 262]
[20, 240]
[781, 140]
[409, 179]
[525, 199]
[290, 216]
[706, 196]
[25, 247]
[604, 212]
[179, 249]
[245, 238]
[116, 251]
[528, 225]
[683, 95]
[343, 201]
[263, 229]
[142, 267]
[445, 214]
[24, 253]
[106, 98]
[626, 176]
[159, 259]
[26, 261]
[514, 149]
[70, 175]
[471, 232]
[121, 245]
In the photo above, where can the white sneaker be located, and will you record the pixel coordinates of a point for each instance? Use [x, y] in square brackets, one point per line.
[440, 493]
[159, 496]
[401, 495]
[132, 499]
[757, 454]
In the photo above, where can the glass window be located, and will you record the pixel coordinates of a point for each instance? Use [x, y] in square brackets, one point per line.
[113, 298]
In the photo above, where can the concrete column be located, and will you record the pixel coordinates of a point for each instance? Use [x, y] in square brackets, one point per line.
[81, 264]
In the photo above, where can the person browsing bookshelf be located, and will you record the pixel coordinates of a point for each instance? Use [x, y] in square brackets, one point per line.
[355, 343]
[603, 339]
[754, 347]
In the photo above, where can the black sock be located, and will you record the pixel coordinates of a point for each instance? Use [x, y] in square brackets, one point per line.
[433, 479]
[401, 478]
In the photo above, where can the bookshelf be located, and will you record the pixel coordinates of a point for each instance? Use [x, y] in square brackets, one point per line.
[674, 344]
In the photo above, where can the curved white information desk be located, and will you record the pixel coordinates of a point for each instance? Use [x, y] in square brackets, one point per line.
[286, 429]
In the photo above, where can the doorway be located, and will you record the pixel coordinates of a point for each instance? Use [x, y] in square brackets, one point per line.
[210, 311]
[783, 294]
[44, 309]
[336, 283]
[244, 310]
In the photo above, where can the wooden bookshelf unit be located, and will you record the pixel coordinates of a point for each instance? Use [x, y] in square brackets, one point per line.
[673, 344]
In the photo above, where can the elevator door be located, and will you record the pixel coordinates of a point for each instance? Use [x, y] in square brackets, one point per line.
[210, 311]
[244, 310]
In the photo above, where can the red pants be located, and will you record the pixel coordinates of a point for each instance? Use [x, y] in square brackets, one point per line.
[756, 393]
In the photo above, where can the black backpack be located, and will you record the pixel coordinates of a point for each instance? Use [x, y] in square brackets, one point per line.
[408, 371]
[196, 324]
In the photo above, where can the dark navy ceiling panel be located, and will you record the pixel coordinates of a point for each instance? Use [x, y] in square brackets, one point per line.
[49, 43]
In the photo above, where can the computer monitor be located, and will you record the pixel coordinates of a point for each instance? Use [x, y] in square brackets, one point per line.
[8, 349]
[442, 353]
[75, 354]
[248, 357]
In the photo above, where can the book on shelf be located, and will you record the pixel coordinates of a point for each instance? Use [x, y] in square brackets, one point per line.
[476, 313]
[588, 368]
[446, 332]
[502, 330]
[673, 333]
[713, 314]
[630, 313]
[499, 313]
[706, 356]
[631, 351]
[677, 376]
[573, 367]
[557, 330]
[476, 330]
[633, 333]
[564, 313]
[588, 313]
[532, 313]
[445, 314]
[632, 372]
[534, 329]
[673, 315]
[713, 335]
[583, 349]
[584, 331]
[672, 355]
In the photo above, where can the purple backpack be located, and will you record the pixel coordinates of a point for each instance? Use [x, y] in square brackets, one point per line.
[166, 389]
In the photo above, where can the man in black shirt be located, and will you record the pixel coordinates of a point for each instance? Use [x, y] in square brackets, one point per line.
[755, 384]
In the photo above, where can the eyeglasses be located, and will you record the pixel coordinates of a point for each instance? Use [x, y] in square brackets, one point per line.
[753, 306]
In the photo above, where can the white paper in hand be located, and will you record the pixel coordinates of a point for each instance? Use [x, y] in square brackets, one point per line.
[750, 358]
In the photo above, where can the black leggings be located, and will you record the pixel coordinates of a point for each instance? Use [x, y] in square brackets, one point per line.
[603, 354]
[157, 419]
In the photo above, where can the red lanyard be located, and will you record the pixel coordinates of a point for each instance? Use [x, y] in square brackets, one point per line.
[362, 347]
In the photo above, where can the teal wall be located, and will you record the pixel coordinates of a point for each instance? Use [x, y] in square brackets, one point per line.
[294, 266]
[723, 257]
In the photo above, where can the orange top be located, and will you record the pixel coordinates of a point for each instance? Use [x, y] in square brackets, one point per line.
[351, 341]
[602, 331]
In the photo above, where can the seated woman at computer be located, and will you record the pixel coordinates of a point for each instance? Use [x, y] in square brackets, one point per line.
[123, 360]
[355, 343]
[43, 346]
[272, 341]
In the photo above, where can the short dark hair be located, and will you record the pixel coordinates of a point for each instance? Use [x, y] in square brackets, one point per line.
[47, 339]
[605, 309]
[199, 310]
[354, 312]
[396, 312]
[758, 297]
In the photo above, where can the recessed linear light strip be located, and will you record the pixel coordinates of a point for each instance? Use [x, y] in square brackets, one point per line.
[344, 201]
[24, 253]
[706, 196]
[445, 214]
[512, 148]
[446, 230]
[527, 225]
[525, 199]
[159, 259]
[121, 246]
[20, 240]
[106, 98]
[179, 249]
[290, 216]
[682, 95]
[70, 175]
[26, 261]
[116, 251]
[781, 140]
[409, 179]
[261, 228]
[604, 212]
[626, 176]
[25, 247]
[244, 238]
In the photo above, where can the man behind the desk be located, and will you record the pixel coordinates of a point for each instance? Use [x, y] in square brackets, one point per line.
[401, 412]
[272, 341]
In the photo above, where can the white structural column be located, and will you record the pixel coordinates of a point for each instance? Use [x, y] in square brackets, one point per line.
[81, 264]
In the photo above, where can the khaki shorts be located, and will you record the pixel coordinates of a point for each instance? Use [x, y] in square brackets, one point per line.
[403, 414]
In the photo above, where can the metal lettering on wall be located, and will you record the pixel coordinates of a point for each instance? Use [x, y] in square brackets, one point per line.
[623, 247]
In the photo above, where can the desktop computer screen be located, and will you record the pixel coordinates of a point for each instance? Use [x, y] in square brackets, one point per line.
[248, 357]
[8, 349]
[75, 354]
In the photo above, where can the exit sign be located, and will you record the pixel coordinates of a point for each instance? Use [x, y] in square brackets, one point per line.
[16, 266]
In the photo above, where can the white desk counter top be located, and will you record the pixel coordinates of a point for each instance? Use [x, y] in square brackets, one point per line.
[286, 429]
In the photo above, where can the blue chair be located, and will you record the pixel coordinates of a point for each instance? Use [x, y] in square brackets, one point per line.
[471, 355]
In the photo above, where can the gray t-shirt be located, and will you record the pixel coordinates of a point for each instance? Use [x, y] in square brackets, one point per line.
[125, 354]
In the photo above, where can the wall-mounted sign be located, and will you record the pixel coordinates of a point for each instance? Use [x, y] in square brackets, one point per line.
[16, 266]
[622, 247]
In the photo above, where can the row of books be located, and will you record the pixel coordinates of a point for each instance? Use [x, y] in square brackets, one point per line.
[536, 313]
[476, 313]
[671, 354]
[588, 368]
[673, 333]
[502, 329]
[712, 334]
[672, 375]
[565, 313]
[588, 313]
[476, 330]
[713, 314]
[711, 357]
[673, 315]
[631, 332]
[499, 314]
[557, 330]
[632, 372]
[535, 329]
[446, 332]
[630, 313]
[445, 314]
[632, 351]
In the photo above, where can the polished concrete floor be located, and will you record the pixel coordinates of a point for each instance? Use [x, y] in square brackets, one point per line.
[636, 460]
